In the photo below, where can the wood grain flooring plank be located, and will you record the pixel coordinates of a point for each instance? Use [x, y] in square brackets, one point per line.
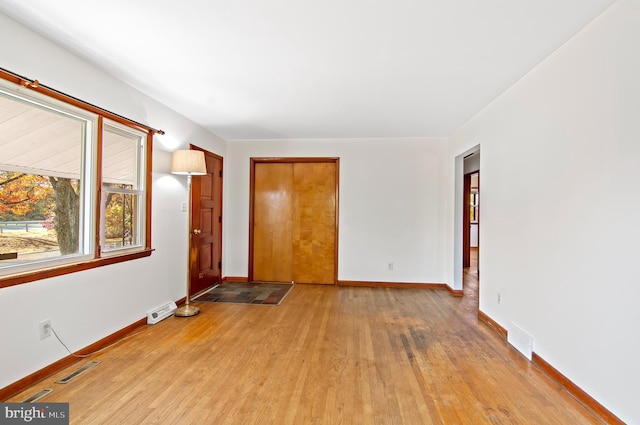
[326, 355]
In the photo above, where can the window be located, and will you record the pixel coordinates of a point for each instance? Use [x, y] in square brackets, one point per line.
[473, 206]
[58, 161]
[122, 188]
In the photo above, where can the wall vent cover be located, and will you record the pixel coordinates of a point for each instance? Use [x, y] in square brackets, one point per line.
[520, 340]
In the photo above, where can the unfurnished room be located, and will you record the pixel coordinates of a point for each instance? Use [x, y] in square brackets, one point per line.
[312, 212]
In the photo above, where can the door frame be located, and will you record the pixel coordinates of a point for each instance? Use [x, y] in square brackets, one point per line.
[273, 160]
[466, 220]
[458, 214]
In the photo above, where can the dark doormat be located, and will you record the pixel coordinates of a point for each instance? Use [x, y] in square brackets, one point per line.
[247, 293]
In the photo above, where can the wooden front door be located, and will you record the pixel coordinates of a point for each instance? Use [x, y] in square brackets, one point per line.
[206, 200]
[294, 210]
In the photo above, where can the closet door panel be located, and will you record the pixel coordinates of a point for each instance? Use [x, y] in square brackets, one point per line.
[272, 221]
[314, 222]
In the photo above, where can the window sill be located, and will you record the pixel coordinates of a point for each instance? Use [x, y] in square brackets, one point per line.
[17, 279]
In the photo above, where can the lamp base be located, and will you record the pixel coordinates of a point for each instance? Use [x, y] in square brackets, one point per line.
[186, 311]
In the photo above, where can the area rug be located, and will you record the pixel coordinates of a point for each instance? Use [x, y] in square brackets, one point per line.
[247, 293]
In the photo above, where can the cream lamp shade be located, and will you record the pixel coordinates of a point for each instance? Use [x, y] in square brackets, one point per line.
[188, 162]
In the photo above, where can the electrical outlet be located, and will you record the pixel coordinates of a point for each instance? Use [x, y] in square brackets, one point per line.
[499, 298]
[45, 328]
[390, 267]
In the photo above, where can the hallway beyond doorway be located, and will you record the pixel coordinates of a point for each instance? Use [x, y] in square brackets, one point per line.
[471, 284]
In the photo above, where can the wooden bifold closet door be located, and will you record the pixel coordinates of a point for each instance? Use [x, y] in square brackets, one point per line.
[294, 222]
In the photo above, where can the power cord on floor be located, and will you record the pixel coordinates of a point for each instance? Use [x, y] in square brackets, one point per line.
[82, 356]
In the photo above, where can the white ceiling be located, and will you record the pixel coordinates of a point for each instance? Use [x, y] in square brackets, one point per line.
[284, 69]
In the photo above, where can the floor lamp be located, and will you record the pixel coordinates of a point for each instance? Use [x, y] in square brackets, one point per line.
[189, 163]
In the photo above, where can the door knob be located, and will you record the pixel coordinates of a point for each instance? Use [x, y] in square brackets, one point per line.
[197, 231]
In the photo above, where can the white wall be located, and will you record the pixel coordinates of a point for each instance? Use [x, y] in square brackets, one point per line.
[388, 212]
[87, 306]
[561, 153]
[473, 235]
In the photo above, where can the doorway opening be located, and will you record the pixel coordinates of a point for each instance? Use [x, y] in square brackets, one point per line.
[471, 217]
[471, 225]
[466, 163]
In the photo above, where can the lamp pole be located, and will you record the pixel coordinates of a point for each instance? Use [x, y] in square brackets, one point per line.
[191, 163]
[188, 310]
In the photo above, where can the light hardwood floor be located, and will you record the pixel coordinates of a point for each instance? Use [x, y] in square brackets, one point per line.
[326, 355]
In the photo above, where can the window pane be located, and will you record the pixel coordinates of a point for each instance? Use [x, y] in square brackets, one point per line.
[120, 157]
[122, 165]
[121, 220]
[41, 177]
